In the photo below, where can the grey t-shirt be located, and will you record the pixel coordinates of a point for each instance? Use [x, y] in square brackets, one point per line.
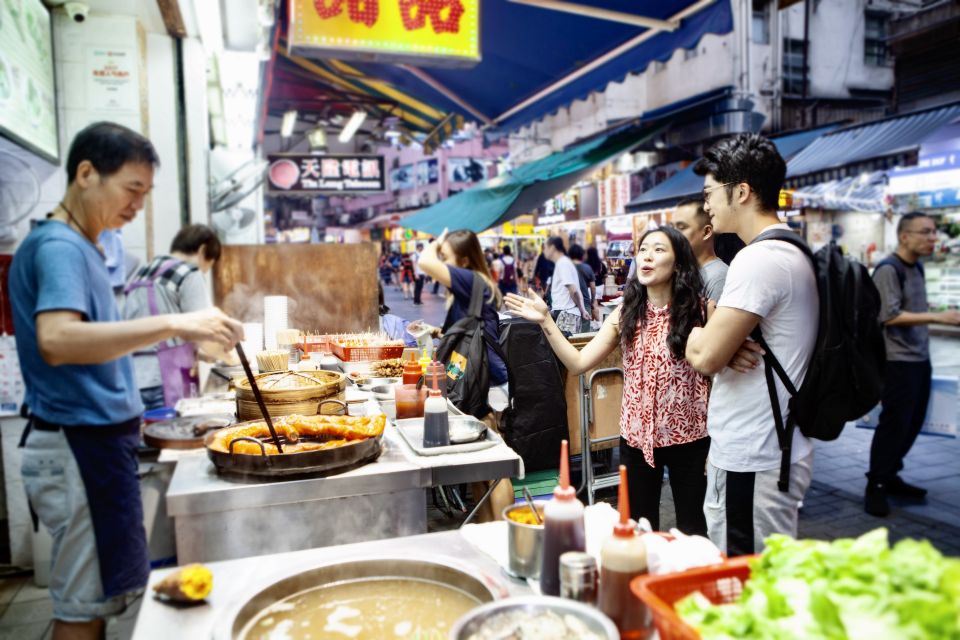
[906, 343]
[714, 274]
[190, 295]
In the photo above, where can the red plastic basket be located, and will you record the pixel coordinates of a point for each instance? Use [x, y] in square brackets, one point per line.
[720, 583]
[364, 354]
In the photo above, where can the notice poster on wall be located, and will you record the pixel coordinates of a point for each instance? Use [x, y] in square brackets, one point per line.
[110, 75]
[28, 108]
[428, 172]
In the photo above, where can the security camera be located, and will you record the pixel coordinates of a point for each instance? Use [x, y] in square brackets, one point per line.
[77, 11]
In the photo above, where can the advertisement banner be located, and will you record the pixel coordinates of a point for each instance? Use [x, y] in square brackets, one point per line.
[428, 172]
[402, 178]
[465, 170]
[306, 174]
[443, 32]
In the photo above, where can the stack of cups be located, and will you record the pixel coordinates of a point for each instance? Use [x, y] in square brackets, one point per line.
[252, 338]
[274, 319]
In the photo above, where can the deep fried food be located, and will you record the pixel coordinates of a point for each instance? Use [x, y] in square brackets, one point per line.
[221, 441]
[340, 430]
[346, 427]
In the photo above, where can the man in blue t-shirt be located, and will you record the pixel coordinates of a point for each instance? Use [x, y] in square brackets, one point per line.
[79, 460]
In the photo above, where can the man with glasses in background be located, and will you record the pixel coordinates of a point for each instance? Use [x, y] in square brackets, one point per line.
[905, 315]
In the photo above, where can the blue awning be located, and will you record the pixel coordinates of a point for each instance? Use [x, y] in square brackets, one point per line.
[686, 184]
[522, 190]
[526, 49]
[872, 146]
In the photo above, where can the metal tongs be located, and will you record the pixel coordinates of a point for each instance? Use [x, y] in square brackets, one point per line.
[256, 394]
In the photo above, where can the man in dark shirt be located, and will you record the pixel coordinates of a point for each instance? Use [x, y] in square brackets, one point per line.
[905, 316]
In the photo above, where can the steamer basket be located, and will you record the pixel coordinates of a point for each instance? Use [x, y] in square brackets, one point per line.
[302, 393]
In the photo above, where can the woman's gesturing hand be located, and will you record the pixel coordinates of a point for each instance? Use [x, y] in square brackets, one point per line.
[531, 307]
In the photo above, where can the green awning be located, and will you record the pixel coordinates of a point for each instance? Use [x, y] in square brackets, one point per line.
[522, 190]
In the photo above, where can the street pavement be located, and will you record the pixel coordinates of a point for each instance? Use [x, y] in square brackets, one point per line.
[833, 507]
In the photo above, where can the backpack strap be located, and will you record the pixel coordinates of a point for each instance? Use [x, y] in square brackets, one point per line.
[772, 366]
[478, 296]
[898, 264]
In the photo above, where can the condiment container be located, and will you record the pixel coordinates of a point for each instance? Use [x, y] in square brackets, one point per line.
[411, 370]
[436, 367]
[409, 400]
[436, 422]
[578, 577]
[623, 557]
[524, 545]
[563, 527]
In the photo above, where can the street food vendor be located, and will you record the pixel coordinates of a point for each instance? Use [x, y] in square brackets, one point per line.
[173, 283]
[79, 459]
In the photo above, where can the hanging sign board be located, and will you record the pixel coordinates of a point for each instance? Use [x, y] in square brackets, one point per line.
[306, 174]
[428, 32]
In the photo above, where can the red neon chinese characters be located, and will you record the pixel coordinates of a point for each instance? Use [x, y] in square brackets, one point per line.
[444, 15]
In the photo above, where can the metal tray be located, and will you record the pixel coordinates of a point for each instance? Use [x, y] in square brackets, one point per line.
[411, 430]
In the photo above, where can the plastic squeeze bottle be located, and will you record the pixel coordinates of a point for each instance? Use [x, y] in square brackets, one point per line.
[424, 362]
[623, 557]
[436, 367]
[562, 528]
[436, 422]
[411, 370]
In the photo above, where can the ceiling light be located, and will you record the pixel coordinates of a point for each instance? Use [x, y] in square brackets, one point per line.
[317, 138]
[289, 120]
[352, 125]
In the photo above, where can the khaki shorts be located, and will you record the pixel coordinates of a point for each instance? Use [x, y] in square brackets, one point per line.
[56, 493]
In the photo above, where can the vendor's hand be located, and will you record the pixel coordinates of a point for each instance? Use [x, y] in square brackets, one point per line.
[210, 324]
[531, 307]
[747, 358]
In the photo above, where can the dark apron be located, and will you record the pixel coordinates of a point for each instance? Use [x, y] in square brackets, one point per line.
[178, 363]
[107, 458]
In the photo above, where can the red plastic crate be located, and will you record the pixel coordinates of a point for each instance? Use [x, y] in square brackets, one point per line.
[365, 354]
[720, 583]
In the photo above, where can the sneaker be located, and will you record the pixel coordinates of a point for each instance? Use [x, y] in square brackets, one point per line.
[875, 500]
[898, 487]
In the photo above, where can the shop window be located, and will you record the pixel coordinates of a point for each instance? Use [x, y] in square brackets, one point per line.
[760, 27]
[875, 39]
[792, 66]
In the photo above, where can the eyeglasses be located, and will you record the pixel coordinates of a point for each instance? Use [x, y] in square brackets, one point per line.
[924, 232]
[708, 190]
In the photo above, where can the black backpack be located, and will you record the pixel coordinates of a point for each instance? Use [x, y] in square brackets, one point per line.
[463, 351]
[845, 376]
[535, 421]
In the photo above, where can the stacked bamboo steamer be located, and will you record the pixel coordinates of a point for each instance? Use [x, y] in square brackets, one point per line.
[288, 392]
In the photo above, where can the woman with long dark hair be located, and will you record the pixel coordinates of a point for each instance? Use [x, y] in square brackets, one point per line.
[663, 414]
[599, 266]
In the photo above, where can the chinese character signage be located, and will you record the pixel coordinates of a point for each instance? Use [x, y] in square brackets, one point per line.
[438, 32]
[562, 208]
[325, 174]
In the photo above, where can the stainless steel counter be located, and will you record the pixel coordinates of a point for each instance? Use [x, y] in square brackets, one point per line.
[219, 517]
[235, 581]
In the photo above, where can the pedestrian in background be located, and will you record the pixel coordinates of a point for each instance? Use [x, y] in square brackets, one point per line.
[173, 283]
[690, 219]
[566, 300]
[770, 284]
[588, 286]
[906, 389]
[663, 413]
[418, 276]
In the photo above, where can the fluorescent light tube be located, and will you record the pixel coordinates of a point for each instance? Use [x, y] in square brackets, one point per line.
[352, 125]
[289, 120]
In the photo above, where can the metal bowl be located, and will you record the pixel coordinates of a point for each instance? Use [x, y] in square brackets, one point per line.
[594, 620]
[383, 391]
[474, 584]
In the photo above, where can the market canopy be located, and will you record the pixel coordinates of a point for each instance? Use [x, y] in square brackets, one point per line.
[522, 190]
[867, 147]
[540, 56]
[686, 184]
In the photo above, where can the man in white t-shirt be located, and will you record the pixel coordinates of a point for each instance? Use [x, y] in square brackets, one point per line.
[770, 284]
[566, 302]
